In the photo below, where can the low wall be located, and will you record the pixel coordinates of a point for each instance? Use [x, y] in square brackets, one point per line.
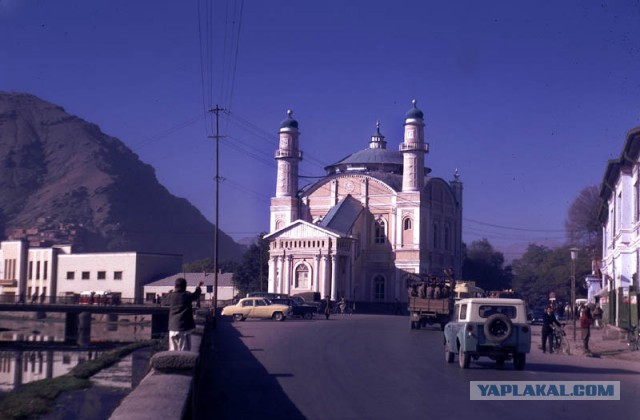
[165, 393]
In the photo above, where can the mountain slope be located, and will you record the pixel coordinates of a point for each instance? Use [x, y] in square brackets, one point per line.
[57, 169]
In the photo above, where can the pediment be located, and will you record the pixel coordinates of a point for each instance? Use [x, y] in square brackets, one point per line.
[301, 229]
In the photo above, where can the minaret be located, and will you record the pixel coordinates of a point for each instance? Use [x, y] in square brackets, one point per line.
[284, 206]
[413, 150]
[377, 140]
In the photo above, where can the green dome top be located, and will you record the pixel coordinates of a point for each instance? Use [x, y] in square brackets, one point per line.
[414, 112]
[289, 122]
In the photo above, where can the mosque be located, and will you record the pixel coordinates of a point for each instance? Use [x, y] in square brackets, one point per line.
[375, 220]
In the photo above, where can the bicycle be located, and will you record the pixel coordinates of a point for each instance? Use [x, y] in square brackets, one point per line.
[560, 343]
[632, 338]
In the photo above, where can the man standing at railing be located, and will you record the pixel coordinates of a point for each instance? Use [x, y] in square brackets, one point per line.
[181, 323]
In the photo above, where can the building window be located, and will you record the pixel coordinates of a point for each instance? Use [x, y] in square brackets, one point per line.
[378, 288]
[38, 270]
[117, 275]
[435, 236]
[446, 237]
[85, 275]
[619, 212]
[30, 270]
[71, 275]
[302, 277]
[407, 231]
[380, 233]
[102, 275]
[45, 270]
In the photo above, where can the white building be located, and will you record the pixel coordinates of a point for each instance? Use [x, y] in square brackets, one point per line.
[45, 273]
[375, 219]
[121, 273]
[620, 217]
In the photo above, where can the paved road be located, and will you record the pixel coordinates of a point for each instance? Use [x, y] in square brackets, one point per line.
[375, 367]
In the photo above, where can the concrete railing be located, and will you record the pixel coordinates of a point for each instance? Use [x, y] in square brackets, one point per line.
[166, 391]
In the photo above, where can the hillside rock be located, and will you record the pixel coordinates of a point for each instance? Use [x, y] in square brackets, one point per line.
[61, 173]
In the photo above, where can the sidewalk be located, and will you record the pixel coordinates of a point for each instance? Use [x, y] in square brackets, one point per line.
[607, 341]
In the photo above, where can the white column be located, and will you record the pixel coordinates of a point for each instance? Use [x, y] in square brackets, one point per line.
[316, 273]
[280, 281]
[325, 276]
[287, 289]
[334, 277]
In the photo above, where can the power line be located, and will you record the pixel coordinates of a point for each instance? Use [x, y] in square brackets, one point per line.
[513, 228]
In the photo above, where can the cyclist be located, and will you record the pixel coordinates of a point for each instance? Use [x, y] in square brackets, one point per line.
[548, 321]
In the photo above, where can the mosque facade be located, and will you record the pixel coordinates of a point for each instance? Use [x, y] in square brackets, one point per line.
[376, 219]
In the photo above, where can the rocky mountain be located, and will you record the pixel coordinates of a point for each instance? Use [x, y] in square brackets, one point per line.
[62, 179]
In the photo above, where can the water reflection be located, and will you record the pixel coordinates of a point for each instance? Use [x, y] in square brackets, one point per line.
[103, 329]
[19, 367]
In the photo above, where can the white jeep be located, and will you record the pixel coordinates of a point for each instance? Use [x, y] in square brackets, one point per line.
[491, 327]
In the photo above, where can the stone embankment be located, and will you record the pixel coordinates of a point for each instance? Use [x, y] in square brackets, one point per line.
[166, 391]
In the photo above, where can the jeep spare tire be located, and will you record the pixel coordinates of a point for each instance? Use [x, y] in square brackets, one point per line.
[498, 327]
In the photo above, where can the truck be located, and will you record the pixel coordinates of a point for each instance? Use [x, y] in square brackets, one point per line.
[427, 309]
[424, 311]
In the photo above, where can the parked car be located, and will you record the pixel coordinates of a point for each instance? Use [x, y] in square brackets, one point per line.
[488, 327]
[536, 315]
[297, 309]
[256, 307]
[266, 295]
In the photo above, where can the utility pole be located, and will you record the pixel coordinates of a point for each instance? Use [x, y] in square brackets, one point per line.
[574, 312]
[216, 111]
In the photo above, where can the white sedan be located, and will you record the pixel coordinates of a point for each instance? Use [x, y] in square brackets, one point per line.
[256, 307]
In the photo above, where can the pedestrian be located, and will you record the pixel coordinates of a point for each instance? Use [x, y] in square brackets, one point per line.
[567, 311]
[549, 322]
[597, 316]
[585, 325]
[342, 305]
[181, 323]
[398, 307]
[327, 308]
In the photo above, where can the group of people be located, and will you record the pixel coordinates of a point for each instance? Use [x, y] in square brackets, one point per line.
[430, 289]
[550, 322]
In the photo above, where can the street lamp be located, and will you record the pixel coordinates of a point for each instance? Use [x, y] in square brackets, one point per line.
[574, 256]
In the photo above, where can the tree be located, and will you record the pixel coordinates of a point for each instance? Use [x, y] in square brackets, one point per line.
[484, 265]
[252, 272]
[206, 265]
[582, 224]
[542, 270]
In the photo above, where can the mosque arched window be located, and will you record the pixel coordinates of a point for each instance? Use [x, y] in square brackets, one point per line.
[380, 231]
[407, 231]
[302, 277]
[378, 287]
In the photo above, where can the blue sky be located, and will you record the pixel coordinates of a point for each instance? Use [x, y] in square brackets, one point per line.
[527, 99]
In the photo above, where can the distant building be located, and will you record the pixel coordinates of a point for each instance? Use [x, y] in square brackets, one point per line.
[46, 273]
[620, 218]
[376, 218]
[226, 289]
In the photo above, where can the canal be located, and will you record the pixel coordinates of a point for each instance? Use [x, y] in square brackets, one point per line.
[33, 348]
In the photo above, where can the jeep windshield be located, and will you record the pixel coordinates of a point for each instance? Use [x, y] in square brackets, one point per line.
[485, 311]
